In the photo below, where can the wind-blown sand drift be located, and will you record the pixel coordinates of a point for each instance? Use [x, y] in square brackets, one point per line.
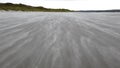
[59, 40]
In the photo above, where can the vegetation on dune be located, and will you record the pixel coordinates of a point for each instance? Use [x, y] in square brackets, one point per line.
[22, 7]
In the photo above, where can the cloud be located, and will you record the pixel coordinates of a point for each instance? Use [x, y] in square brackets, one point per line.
[71, 4]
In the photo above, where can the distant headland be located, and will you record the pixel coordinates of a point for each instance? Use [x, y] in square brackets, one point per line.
[23, 7]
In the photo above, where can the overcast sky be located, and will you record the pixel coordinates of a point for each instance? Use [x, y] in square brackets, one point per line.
[71, 4]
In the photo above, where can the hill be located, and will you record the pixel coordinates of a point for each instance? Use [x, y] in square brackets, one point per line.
[22, 7]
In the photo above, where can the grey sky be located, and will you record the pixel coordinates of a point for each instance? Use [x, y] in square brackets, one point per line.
[72, 4]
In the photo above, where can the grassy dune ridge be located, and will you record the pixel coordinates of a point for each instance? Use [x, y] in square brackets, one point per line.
[22, 7]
